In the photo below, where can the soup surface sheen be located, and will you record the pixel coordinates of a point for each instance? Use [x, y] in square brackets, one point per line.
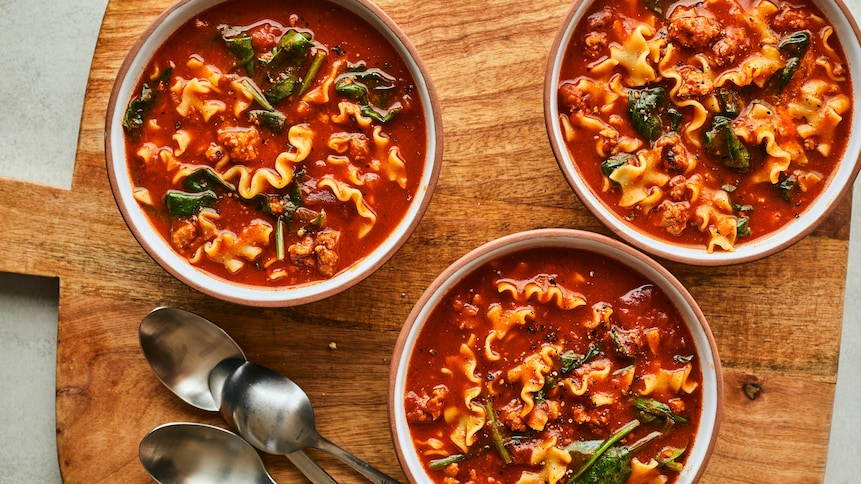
[275, 143]
[532, 361]
[708, 123]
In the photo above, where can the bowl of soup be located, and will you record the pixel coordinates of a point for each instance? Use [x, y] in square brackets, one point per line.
[555, 355]
[271, 153]
[707, 133]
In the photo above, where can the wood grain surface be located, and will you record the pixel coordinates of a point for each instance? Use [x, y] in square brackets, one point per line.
[777, 321]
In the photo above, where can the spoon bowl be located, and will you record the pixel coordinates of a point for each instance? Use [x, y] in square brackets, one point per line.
[180, 453]
[269, 409]
[275, 415]
[193, 357]
[182, 349]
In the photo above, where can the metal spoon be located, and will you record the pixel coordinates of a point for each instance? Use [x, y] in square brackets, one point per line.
[275, 415]
[181, 453]
[188, 353]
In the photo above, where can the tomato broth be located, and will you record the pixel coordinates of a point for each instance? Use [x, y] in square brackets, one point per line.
[705, 124]
[276, 143]
[534, 359]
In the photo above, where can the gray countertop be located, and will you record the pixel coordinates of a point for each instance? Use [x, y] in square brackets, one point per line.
[48, 46]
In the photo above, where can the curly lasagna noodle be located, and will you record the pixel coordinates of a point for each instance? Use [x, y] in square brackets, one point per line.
[275, 146]
[705, 123]
[528, 366]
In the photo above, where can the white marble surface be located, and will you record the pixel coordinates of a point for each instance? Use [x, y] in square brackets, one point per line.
[41, 92]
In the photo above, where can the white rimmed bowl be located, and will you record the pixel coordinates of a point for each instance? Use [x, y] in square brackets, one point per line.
[549, 239]
[846, 29]
[159, 249]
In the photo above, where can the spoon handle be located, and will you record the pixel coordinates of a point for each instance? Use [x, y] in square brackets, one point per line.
[359, 465]
[311, 469]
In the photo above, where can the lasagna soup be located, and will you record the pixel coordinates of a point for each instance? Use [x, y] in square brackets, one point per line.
[705, 123]
[560, 367]
[275, 143]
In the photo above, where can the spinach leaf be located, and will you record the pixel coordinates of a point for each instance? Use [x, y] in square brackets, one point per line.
[660, 7]
[588, 473]
[292, 49]
[274, 120]
[795, 44]
[651, 409]
[683, 358]
[183, 204]
[254, 91]
[283, 85]
[571, 360]
[720, 140]
[647, 109]
[372, 88]
[622, 343]
[668, 458]
[787, 187]
[133, 119]
[793, 47]
[609, 165]
[730, 102]
[238, 42]
[613, 467]
[742, 226]
[284, 207]
[204, 179]
[382, 116]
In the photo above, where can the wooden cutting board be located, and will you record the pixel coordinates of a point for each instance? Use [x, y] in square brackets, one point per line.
[777, 321]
